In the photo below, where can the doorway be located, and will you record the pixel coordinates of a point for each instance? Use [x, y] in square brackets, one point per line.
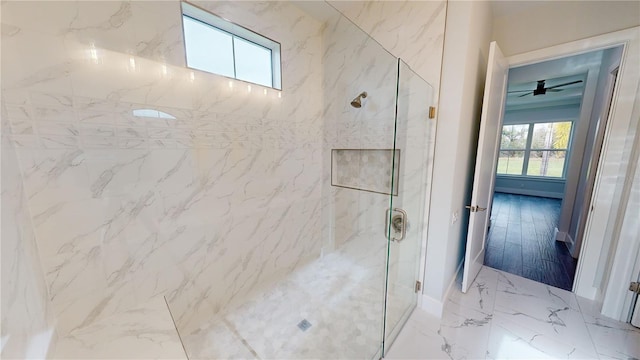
[551, 131]
[607, 212]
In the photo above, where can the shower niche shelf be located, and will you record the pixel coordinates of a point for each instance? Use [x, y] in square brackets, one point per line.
[366, 170]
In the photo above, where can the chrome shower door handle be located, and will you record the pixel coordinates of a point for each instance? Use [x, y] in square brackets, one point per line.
[398, 225]
[403, 224]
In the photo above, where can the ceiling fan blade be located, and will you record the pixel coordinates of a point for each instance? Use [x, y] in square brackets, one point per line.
[529, 93]
[555, 90]
[516, 91]
[565, 84]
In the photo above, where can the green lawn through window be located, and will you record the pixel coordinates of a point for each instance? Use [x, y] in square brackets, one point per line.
[513, 166]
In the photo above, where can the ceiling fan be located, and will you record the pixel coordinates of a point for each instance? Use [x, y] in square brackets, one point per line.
[541, 89]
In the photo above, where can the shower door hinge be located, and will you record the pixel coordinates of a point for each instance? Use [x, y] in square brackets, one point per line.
[432, 112]
[635, 287]
[418, 286]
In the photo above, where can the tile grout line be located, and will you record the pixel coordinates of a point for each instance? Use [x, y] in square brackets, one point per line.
[493, 310]
[175, 326]
[595, 347]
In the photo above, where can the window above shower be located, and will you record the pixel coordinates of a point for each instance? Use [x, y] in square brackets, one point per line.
[218, 46]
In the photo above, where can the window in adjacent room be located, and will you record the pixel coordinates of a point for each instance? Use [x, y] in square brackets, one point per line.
[537, 149]
[215, 45]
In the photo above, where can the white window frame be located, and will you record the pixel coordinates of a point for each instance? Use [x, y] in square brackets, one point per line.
[236, 31]
[527, 150]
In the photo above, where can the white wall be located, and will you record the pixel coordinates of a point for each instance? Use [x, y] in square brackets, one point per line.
[466, 48]
[551, 188]
[546, 114]
[539, 24]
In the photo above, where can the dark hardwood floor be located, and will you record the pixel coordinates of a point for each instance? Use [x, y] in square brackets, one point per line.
[521, 241]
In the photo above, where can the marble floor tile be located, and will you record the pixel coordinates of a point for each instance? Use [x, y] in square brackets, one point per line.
[529, 320]
[482, 293]
[511, 339]
[612, 339]
[546, 310]
[419, 339]
[462, 333]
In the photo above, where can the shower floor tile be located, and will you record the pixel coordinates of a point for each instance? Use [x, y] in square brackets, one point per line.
[340, 295]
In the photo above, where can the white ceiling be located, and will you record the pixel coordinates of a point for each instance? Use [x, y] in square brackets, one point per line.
[554, 72]
[502, 8]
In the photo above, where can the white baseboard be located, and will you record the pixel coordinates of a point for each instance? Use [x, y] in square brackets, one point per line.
[547, 194]
[432, 306]
[569, 240]
[435, 307]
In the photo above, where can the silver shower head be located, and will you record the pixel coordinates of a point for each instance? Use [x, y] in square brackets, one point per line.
[357, 102]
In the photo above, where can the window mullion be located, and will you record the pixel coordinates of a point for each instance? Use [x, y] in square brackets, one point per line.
[566, 164]
[233, 48]
[527, 150]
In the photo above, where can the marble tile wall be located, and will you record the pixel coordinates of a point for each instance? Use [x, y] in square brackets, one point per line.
[410, 30]
[421, 23]
[27, 320]
[365, 169]
[128, 208]
[351, 214]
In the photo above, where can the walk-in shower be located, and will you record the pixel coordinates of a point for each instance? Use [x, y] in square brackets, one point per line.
[164, 212]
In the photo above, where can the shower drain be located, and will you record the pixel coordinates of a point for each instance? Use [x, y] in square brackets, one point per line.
[304, 325]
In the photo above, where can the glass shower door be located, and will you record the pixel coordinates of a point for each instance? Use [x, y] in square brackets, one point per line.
[407, 217]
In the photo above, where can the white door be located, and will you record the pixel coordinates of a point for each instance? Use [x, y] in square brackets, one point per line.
[483, 180]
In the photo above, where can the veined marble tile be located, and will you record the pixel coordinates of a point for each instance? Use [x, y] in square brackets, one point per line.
[97, 130]
[21, 126]
[143, 332]
[54, 114]
[612, 339]
[52, 177]
[462, 333]
[482, 293]
[158, 35]
[25, 141]
[97, 142]
[544, 309]
[95, 117]
[28, 324]
[511, 340]
[59, 142]
[61, 129]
